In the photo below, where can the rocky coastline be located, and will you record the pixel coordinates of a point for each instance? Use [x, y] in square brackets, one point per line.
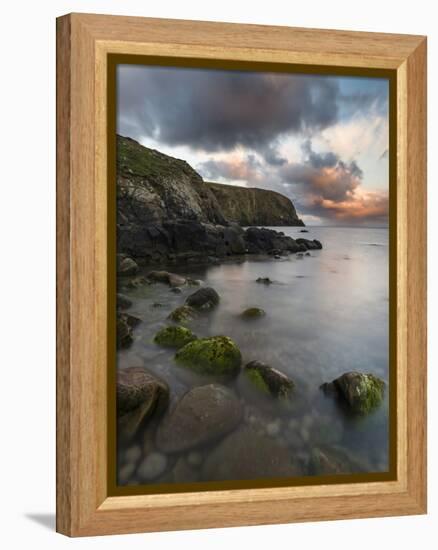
[168, 216]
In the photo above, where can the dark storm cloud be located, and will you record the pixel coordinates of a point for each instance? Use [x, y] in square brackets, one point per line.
[218, 110]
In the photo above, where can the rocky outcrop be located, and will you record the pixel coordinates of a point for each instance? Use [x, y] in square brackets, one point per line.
[251, 206]
[166, 213]
[153, 187]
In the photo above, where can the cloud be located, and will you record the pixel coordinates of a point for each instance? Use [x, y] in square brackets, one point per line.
[328, 187]
[323, 175]
[240, 169]
[214, 110]
[365, 206]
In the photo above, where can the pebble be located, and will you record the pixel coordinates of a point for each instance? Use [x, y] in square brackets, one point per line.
[152, 466]
[132, 454]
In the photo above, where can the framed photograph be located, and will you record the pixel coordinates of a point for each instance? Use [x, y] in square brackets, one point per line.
[241, 276]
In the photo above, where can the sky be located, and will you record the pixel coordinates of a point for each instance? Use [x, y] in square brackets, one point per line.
[320, 140]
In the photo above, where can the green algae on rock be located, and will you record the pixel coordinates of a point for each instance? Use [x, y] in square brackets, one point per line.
[174, 337]
[217, 355]
[183, 314]
[362, 392]
[269, 380]
[253, 313]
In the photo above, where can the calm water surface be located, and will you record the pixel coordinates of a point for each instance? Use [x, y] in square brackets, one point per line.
[326, 314]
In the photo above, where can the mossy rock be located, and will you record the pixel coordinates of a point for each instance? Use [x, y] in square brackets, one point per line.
[217, 355]
[253, 313]
[361, 392]
[183, 315]
[174, 337]
[269, 381]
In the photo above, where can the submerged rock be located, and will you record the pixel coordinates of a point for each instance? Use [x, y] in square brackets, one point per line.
[361, 392]
[246, 454]
[217, 355]
[203, 299]
[203, 415]
[126, 266]
[139, 395]
[253, 313]
[325, 460]
[264, 280]
[171, 279]
[310, 244]
[174, 337]
[183, 314]
[269, 380]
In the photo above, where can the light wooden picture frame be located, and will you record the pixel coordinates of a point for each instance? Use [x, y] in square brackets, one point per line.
[86, 227]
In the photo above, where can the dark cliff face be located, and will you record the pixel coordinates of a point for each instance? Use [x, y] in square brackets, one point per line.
[166, 213]
[153, 187]
[250, 206]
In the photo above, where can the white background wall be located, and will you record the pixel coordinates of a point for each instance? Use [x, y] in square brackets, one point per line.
[27, 289]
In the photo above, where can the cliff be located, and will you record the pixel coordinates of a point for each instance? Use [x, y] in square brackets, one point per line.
[167, 213]
[251, 206]
[152, 187]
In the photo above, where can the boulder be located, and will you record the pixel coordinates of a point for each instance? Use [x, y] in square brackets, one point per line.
[310, 245]
[360, 392]
[203, 299]
[139, 396]
[260, 240]
[246, 454]
[183, 314]
[126, 266]
[253, 313]
[268, 380]
[171, 279]
[203, 415]
[217, 355]
[174, 337]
